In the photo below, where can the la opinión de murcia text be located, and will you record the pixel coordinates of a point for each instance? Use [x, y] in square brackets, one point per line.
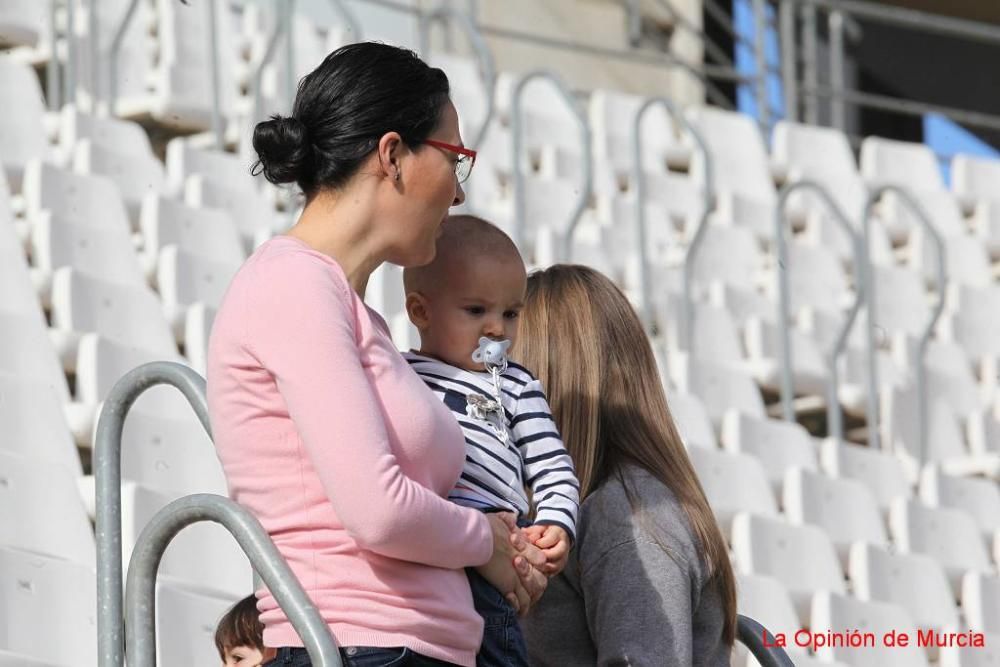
[891, 639]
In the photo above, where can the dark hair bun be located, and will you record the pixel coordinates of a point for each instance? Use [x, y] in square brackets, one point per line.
[284, 151]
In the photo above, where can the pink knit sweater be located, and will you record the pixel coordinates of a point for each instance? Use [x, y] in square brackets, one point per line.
[345, 457]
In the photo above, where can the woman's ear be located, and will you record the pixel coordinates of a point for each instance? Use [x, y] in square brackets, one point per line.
[389, 148]
[416, 310]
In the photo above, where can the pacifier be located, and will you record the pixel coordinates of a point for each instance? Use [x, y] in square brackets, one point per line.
[492, 353]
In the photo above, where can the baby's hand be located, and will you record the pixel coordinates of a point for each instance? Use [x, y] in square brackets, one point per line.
[554, 543]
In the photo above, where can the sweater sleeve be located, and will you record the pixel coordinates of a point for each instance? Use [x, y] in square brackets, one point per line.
[548, 468]
[301, 327]
[638, 606]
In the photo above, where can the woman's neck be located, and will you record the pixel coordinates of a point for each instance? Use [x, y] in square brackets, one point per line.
[341, 226]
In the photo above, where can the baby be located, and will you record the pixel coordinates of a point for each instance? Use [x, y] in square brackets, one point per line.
[465, 304]
[239, 636]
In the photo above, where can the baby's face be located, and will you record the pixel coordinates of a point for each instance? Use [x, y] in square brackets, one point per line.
[481, 297]
[243, 656]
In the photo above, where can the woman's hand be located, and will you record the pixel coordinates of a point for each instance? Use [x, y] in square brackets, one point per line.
[514, 567]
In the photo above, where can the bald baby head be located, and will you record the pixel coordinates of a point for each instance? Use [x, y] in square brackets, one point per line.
[464, 238]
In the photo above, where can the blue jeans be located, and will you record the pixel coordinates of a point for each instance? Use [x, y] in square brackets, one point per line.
[360, 656]
[503, 643]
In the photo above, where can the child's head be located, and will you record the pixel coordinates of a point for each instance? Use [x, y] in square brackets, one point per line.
[474, 287]
[240, 635]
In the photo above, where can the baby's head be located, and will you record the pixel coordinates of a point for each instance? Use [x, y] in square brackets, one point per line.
[474, 287]
[239, 636]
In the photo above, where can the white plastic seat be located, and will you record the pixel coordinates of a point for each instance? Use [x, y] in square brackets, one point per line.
[891, 162]
[974, 176]
[971, 656]
[186, 619]
[84, 199]
[692, 420]
[940, 206]
[728, 255]
[105, 253]
[38, 594]
[805, 150]
[184, 278]
[253, 214]
[185, 159]
[978, 497]
[779, 445]
[82, 304]
[835, 612]
[915, 582]
[815, 279]
[197, 329]
[134, 57]
[809, 366]
[881, 472]
[986, 225]
[49, 519]
[115, 134]
[966, 260]
[22, 23]
[204, 555]
[173, 455]
[546, 118]
[981, 602]
[714, 329]
[975, 325]
[11, 659]
[207, 231]
[720, 387]
[765, 600]
[844, 508]
[743, 182]
[22, 133]
[33, 423]
[467, 88]
[17, 290]
[801, 557]
[949, 536]
[733, 483]
[901, 300]
[135, 175]
[949, 374]
[27, 353]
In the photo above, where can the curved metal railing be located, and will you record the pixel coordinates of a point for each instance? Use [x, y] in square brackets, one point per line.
[640, 203]
[925, 337]
[517, 148]
[116, 47]
[761, 643]
[487, 70]
[140, 589]
[834, 418]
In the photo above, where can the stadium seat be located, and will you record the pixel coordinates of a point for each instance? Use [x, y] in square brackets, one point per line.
[835, 612]
[185, 159]
[901, 300]
[986, 656]
[949, 373]
[809, 364]
[136, 175]
[940, 206]
[203, 555]
[11, 659]
[812, 152]
[692, 420]
[966, 260]
[129, 314]
[186, 619]
[37, 594]
[779, 445]
[978, 497]
[27, 354]
[49, 519]
[197, 328]
[975, 326]
[115, 134]
[17, 289]
[207, 231]
[33, 423]
[880, 471]
[985, 224]
[733, 483]
[23, 136]
[815, 280]
[22, 23]
[728, 255]
[949, 536]
[915, 582]
[253, 213]
[719, 387]
[844, 508]
[184, 278]
[83, 199]
[765, 600]
[981, 602]
[974, 177]
[890, 162]
[802, 557]
[134, 59]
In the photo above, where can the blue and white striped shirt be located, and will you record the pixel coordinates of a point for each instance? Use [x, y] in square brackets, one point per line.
[496, 473]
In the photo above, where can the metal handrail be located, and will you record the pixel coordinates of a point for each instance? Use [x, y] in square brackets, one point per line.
[116, 47]
[140, 590]
[282, 27]
[52, 66]
[640, 202]
[761, 643]
[834, 418]
[925, 337]
[107, 476]
[69, 70]
[93, 35]
[213, 54]
[487, 64]
[517, 147]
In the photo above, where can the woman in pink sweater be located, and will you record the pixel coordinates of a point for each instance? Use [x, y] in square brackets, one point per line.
[323, 431]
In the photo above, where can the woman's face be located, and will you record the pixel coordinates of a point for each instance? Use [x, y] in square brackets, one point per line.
[428, 180]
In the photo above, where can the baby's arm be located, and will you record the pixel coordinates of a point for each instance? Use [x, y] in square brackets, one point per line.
[549, 472]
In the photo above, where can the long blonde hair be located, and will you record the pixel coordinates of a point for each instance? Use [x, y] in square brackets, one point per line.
[583, 340]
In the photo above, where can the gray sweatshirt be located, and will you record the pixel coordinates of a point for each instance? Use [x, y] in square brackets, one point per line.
[623, 600]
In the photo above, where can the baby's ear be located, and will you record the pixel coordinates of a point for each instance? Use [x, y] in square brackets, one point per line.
[416, 310]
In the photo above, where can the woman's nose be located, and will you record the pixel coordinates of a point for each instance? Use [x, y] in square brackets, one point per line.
[459, 194]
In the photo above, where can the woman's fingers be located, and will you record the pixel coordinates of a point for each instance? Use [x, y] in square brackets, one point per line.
[531, 578]
[524, 599]
[534, 555]
[514, 602]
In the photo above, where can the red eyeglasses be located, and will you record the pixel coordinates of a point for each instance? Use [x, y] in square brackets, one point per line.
[466, 159]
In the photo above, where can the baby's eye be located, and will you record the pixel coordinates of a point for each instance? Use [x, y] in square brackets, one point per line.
[511, 314]
[475, 310]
